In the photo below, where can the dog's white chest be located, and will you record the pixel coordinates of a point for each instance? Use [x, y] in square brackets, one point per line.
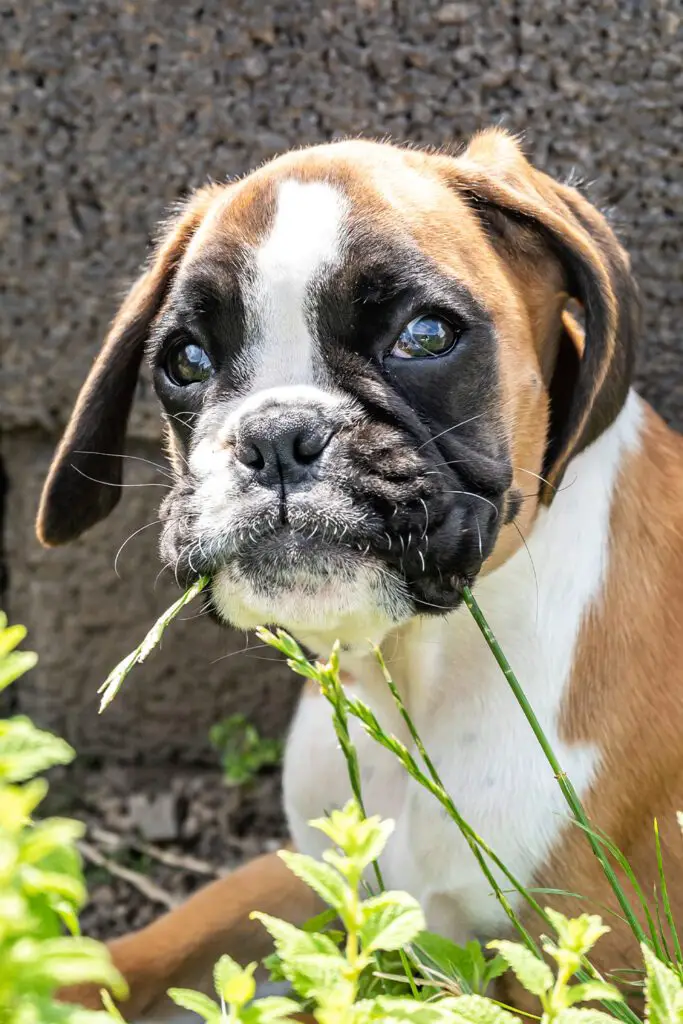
[490, 764]
[471, 725]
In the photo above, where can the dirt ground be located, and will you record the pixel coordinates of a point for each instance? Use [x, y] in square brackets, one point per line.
[155, 835]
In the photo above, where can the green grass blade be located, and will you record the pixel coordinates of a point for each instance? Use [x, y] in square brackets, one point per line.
[563, 779]
[112, 684]
[665, 900]
[600, 837]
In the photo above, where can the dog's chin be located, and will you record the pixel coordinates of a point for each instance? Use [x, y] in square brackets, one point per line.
[311, 590]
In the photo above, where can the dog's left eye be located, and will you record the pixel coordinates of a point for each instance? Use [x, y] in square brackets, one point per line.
[188, 363]
[424, 337]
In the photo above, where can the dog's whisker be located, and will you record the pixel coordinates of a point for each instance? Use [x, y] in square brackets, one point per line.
[165, 568]
[178, 416]
[531, 560]
[155, 522]
[481, 497]
[455, 426]
[113, 483]
[426, 526]
[134, 458]
[243, 650]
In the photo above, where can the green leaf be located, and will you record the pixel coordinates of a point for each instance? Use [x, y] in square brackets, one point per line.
[390, 921]
[663, 998]
[323, 879]
[583, 1015]
[361, 839]
[65, 961]
[446, 958]
[225, 970]
[52, 883]
[305, 669]
[592, 990]
[282, 642]
[10, 637]
[273, 965]
[309, 960]
[477, 1010]
[19, 803]
[67, 916]
[240, 988]
[269, 1010]
[495, 968]
[398, 1010]
[15, 665]
[531, 972]
[577, 934]
[196, 1003]
[49, 835]
[36, 1009]
[25, 751]
[318, 922]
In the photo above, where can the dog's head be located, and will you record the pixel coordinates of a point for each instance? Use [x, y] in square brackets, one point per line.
[370, 375]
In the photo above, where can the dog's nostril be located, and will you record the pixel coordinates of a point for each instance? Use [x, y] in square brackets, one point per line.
[251, 456]
[308, 446]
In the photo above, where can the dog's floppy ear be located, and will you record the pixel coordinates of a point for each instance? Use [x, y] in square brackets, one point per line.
[83, 484]
[502, 186]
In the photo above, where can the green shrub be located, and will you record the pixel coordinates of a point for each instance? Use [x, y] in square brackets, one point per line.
[243, 752]
[41, 882]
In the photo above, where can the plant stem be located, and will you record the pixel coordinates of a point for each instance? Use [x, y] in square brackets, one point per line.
[334, 693]
[563, 780]
[665, 900]
[474, 841]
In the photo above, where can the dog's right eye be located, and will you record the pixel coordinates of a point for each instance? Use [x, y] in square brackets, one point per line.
[188, 363]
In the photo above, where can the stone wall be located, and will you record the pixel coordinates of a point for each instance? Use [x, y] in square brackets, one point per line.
[118, 108]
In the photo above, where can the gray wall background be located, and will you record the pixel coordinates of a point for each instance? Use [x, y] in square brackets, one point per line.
[115, 109]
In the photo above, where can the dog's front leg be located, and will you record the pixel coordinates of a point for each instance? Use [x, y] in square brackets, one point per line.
[180, 948]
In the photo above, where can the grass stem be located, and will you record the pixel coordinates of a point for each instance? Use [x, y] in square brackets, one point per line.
[563, 780]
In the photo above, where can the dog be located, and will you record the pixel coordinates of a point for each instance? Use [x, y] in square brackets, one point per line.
[387, 373]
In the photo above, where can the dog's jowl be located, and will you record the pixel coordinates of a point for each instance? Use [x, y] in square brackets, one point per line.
[376, 390]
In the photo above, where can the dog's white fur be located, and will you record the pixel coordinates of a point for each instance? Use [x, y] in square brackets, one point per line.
[469, 720]
[304, 243]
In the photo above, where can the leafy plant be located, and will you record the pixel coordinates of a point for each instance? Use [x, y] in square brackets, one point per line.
[243, 752]
[326, 969]
[41, 881]
[464, 967]
[235, 988]
[575, 939]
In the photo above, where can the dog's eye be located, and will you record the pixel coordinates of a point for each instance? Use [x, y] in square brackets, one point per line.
[188, 363]
[424, 337]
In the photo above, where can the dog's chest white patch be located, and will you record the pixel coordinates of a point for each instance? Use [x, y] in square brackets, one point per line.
[472, 727]
[304, 244]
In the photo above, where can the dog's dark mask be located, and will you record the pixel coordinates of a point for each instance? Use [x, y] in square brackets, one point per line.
[360, 351]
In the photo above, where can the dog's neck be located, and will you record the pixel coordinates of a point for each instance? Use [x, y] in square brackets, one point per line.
[538, 600]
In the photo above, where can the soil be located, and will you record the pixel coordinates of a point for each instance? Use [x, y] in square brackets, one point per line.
[206, 828]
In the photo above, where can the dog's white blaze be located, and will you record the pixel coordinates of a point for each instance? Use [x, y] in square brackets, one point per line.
[473, 729]
[304, 243]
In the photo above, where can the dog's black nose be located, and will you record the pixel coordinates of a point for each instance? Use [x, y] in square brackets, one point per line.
[282, 444]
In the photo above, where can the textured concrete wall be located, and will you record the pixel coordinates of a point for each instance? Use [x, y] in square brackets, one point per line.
[117, 108]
